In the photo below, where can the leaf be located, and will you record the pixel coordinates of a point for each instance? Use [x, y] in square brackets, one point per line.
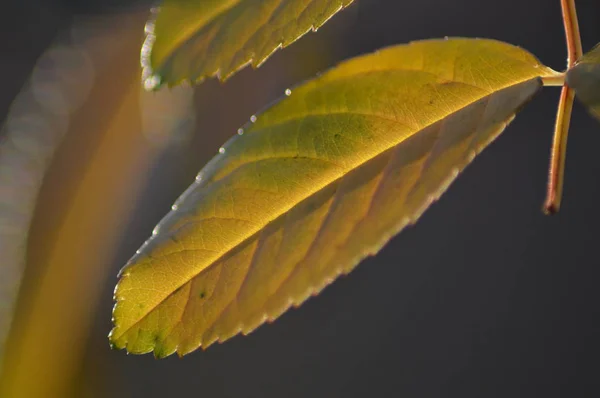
[195, 39]
[318, 182]
[584, 77]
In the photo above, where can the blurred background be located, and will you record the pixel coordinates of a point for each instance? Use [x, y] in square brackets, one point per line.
[484, 297]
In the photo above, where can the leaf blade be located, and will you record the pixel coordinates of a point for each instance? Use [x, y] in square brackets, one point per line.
[366, 147]
[584, 78]
[193, 40]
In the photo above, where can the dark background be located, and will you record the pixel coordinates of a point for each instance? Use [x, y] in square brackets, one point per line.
[484, 297]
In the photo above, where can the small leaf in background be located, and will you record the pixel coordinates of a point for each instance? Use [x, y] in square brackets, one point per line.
[315, 184]
[195, 39]
[584, 77]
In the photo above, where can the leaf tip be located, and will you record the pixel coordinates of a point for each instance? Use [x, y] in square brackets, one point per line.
[112, 341]
[153, 82]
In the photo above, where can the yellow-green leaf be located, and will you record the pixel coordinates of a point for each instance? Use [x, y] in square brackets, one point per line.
[584, 77]
[312, 186]
[195, 39]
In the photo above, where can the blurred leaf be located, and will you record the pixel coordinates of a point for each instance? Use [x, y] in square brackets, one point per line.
[584, 77]
[315, 184]
[195, 39]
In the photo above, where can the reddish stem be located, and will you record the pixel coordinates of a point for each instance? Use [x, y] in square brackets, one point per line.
[563, 116]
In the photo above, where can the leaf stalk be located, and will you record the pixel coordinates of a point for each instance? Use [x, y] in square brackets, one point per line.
[557, 80]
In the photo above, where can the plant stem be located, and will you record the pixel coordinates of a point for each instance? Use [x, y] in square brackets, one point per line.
[558, 154]
[565, 107]
[571, 24]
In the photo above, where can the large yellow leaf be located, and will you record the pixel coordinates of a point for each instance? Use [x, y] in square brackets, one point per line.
[195, 39]
[315, 184]
[584, 77]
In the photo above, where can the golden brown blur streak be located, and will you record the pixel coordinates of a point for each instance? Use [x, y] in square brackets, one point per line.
[89, 195]
[83, 207]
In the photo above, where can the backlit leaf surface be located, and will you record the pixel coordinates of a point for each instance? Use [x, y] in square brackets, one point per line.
[195, 39]
[318, 182]
[584, 77]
